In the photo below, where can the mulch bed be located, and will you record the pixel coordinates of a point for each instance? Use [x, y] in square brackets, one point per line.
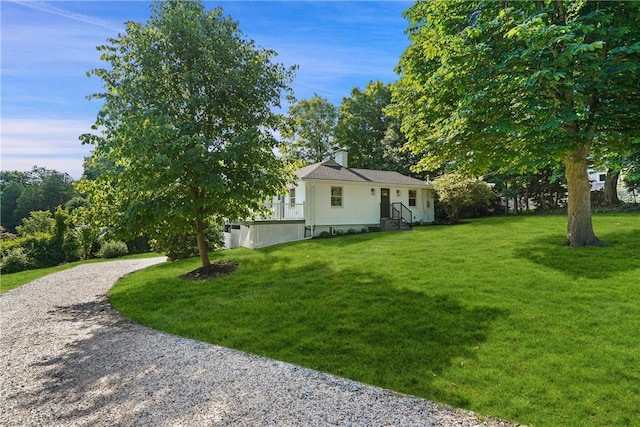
[216, 269]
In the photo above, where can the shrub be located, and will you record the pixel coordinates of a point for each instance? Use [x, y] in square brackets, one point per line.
[38, 222]
[112, 249]
[15, 260]
[630, 207]
[75, 203]
[38, 247]
[363, 230]
[41, 250]
[324, 234]
[182, 244]
[456, 192]
[340, 232]
[70, 247]
[6, 236]
[85, 237]
[351, 231]
[139, 245]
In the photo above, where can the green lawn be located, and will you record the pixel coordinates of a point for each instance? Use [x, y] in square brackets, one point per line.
[494, 315]
[13, 280]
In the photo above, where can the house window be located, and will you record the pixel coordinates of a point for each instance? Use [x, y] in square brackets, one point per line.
[602, 177]
[336, 196]
[292, 196]
[412, 197]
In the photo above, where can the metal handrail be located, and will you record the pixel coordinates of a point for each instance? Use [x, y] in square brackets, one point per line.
[399, 213]
[404, 213]
[283, 211]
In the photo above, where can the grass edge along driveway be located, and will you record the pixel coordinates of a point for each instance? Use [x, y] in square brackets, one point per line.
[494, 315]
[14, 280]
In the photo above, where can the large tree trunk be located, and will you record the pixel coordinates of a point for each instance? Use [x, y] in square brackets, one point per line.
[579, 226]
[202, 244]
[611, 188]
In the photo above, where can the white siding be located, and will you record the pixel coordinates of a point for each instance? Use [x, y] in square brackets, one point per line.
[260, 235]
[359, 206]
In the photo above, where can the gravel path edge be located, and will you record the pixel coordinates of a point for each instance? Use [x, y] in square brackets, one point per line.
[68, 358]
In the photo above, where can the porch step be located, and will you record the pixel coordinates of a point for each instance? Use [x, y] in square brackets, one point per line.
[391, 225]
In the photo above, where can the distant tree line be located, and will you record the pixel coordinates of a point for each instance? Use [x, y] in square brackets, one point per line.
[46, 222]
[40, 189]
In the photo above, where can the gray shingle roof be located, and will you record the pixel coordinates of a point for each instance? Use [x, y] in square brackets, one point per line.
[329, 170]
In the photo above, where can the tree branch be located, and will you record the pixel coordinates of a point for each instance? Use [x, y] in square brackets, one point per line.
[560, 10]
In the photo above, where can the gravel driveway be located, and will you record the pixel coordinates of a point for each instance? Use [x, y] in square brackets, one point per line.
[68, 358]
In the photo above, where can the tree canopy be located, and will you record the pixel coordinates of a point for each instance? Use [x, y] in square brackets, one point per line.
[309, 136]
[36, 190]
[372, 137]
[515, 86]
[362, 125]
[188, 123]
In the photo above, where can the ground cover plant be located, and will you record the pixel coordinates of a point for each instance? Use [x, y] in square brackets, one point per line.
[495, 315]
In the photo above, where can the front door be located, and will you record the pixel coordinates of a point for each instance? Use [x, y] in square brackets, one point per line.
[385, 202]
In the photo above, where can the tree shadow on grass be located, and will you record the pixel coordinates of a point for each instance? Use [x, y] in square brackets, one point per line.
[408, 339]
[354, 324]
[621, 254]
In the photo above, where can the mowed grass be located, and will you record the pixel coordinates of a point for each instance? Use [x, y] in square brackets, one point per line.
[495, 315]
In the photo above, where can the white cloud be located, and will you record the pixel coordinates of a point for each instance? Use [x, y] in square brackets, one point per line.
[45, 49]
[70, 165]
[55, 10]
[50, 143]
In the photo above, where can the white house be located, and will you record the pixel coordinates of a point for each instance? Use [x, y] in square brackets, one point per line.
[331, 197]
[597, 179]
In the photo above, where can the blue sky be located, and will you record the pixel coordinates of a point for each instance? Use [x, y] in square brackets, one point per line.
[47, 48]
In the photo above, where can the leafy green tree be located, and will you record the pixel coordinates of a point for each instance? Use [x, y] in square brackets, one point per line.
[38, 222]
[38, 189]
[87, 240]
[75, 203]
[545, 188]
[57, 189]
[397, 156]
[506, 86]
[19, 177]
[31, 199]
[373, 138]
[96, 165]
[615, 162]
[456, 192]
[178, 244]
[8, 204]
[309, 136]
[188, 119]
[63, 242]
[631, 173]
[362, 125]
